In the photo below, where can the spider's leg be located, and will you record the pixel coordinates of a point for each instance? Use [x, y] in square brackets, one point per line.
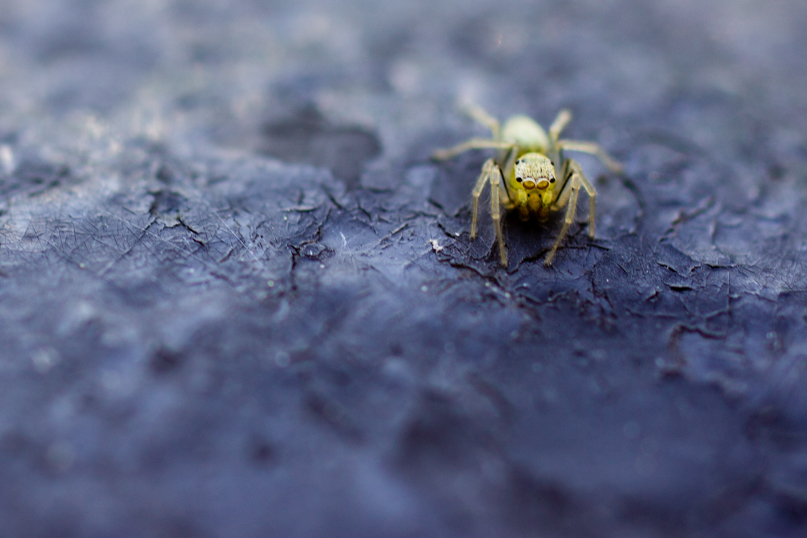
[480, 185]
[504, 196]
[560, 123]
[509, 160]
[496, 211]
[569, 198]
[574, 168]
[562, 191]
[480, 115]
[594, 149]
[473, 143]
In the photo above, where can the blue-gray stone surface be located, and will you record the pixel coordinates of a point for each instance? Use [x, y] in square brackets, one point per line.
[238, 299]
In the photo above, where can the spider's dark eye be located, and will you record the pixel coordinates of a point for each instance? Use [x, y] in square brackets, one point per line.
[518, 179]
[552, 180]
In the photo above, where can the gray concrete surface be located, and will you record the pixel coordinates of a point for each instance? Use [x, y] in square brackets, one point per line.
[237, 298]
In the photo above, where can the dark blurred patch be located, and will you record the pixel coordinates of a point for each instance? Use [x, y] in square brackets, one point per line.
[490, 391]
[451, 191]
[439, 433]
[334, 415]
[644, 513]
[307, 137]
[15, 443]
[172, 170]
[69, 41]
[262, 452]
[165, 360]
[791, 499]
[476, 37]
[179, 527]
[34, 177]
[533, 503]
[167, 202]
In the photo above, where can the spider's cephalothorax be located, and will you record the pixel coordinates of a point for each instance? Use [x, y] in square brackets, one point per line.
[531, 173]
[532, 185]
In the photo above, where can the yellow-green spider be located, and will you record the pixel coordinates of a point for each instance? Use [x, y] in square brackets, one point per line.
[527, 162]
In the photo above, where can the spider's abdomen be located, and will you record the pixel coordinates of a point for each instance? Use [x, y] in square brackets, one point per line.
[526, 133]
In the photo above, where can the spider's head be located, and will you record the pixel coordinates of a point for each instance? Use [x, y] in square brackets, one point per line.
[534, 173]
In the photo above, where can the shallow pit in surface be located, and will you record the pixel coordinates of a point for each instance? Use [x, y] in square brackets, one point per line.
[308, 137]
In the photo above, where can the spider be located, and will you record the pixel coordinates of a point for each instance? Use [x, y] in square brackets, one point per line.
[527, 164]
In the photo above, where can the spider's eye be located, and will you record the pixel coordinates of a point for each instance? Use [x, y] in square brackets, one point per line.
[552, 180]
[518, 179]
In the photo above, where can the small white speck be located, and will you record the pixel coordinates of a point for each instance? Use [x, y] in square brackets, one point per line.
[271, 283]
[81, 265]
[435, 245]
[424, 288]
[507, 295]
[321, 266]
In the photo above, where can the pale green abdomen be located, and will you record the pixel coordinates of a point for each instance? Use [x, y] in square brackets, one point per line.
[529, 136]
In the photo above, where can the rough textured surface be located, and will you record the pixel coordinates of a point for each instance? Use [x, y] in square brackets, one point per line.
[238, 299]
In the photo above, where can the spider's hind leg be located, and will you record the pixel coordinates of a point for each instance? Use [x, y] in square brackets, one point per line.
[480, 115]
[592, 148]
[561, 121]
[473, 143]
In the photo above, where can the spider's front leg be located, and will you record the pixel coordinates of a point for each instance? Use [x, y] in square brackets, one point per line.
[498, 196]
[567, 196]
[480, 185]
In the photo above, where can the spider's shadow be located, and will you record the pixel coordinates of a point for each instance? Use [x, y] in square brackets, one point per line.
[526, 240]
